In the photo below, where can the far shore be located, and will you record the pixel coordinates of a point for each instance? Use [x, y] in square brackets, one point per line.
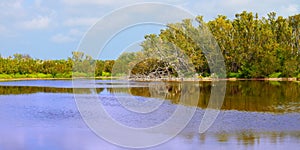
[215, 79]
[160, 79]
[33, 79]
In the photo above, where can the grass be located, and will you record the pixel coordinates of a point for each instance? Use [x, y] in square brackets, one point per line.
[5, 76]
[104, 74]
[23, 76]
[63, 75]
[234, 75]
[41, 75]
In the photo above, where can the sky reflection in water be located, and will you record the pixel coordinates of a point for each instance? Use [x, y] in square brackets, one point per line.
[256, 114]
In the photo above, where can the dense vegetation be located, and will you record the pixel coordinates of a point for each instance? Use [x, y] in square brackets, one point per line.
[23, 66]
[252, 47]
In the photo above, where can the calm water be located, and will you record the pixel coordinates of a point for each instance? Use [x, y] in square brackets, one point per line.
[255, 115]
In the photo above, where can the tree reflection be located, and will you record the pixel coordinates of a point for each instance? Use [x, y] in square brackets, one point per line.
[260, 96]
[15, 90]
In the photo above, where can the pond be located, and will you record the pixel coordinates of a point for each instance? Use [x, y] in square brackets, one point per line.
[43, 114]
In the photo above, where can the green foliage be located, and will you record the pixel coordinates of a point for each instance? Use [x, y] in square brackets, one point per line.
[205, 74]
[234, 75]
[63, 75]
[5, 76]
[124, 64]
[18, 75]
[79, 74]
[108, 65]
[31, 75]
[275, 75]
[99, 68]
[42, 75]
[106, 74]
[23, 66]
[253, 47]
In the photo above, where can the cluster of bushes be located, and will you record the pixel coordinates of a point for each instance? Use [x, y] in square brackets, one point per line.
[80, 65]
[252, 47]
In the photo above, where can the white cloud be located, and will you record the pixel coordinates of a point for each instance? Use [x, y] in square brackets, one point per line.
[292, 9]
[116, 2]
[6, 32]
[38, 3]
[18, 15]
[71, 36]
[41, 7]
[75, 32]
[12, 9]
[234, 3]
[92, 2]
[80, 22]
[15, 4]
[60, 38]
[210, 9]
[41, 22]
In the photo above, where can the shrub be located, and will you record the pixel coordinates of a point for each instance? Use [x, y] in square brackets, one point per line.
[42, 75]
[106, 74]
[275, 75]
[20, 75]
[205, 74]
[234, 75]
[32, 76]
[5, 76]
[79, 74]
[68, 75]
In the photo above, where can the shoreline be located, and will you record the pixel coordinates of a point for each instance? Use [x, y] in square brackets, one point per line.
[218, 79]
[39, 79]
[161, 79]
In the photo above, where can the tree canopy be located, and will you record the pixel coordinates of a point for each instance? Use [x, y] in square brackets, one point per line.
[252, 47]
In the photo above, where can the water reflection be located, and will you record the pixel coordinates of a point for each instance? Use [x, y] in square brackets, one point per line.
[45, 118]
[260, 96]
[66, 139]
[16, 90]
[249, 138]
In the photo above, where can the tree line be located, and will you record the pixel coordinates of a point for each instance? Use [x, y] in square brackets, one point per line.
[24, 66]
[252, 47]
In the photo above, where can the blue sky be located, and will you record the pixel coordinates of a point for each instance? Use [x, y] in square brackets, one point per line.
[49, 29]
